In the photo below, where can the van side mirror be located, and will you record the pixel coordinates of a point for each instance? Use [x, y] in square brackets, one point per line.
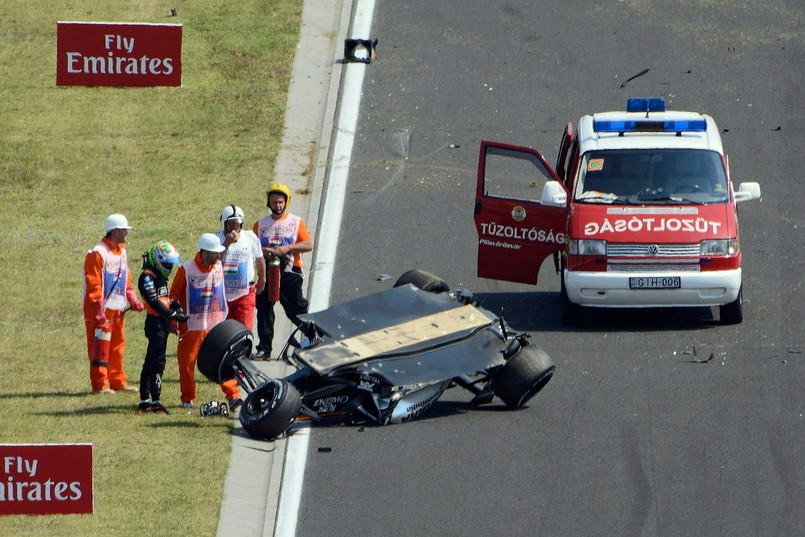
[554, 194]
[747, 191]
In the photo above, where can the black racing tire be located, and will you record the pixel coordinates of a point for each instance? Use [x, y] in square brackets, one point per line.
[225, 343]
[732, 313]
[270, 409]
[423, 280]
[523, 376]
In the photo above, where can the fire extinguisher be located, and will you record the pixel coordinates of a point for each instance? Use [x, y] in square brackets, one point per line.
[103, 340]
[273, 278]
[103, 332]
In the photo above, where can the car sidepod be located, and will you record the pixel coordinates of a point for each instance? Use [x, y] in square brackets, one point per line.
[416, 401]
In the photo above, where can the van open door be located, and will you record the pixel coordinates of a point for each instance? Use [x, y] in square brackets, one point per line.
[520, 212]
[562, 164]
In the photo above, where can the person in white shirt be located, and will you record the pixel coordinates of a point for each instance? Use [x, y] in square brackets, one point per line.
[242, 260]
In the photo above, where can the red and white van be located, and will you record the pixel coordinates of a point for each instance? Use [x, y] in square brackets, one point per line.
[639, 212]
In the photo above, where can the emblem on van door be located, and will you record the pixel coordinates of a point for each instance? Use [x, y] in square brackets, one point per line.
[653, 249]
[518, 213]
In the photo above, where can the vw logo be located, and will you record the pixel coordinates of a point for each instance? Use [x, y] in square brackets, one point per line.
[653, 249]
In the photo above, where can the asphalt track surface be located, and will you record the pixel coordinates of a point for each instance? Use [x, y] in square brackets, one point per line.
[630, 437]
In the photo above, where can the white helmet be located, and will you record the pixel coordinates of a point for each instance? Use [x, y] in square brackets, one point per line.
[116, 221]
[231, 212]
[209, 242]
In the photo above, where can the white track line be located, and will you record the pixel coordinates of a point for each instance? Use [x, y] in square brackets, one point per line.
[327, 243]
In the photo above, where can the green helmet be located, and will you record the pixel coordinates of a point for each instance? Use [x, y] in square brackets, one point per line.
[163, 256]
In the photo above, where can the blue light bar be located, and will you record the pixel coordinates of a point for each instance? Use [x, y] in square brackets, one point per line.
[645, 104]
[678, 126]
[693, 125]
[614, 126]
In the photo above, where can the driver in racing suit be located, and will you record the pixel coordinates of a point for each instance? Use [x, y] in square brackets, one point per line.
[158, 262]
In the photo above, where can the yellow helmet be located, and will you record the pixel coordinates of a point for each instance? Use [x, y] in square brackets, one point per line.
[279, 188]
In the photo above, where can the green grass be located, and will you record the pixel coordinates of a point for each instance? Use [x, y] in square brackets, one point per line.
[169, 159]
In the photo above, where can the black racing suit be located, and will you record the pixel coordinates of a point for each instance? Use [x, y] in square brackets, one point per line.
[154, 291]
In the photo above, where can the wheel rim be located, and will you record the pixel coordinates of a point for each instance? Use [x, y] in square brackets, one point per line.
[239, 350]
[257, 405]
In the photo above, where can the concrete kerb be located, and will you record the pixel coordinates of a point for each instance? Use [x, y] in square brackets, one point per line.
[252, 487]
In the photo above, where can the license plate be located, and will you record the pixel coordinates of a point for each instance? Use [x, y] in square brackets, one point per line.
[655, 282]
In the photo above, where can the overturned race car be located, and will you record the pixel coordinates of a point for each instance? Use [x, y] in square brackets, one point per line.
[381, 359]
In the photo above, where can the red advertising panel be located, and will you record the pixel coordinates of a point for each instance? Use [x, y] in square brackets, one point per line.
[118, 54]
[45, 479]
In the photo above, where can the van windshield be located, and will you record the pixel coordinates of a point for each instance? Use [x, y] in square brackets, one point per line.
[652, 176]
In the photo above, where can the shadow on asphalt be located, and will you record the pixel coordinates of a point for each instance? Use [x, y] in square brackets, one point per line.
[542, 312]
[440, 410]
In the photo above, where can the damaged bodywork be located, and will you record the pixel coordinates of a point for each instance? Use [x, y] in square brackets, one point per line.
[380, 359]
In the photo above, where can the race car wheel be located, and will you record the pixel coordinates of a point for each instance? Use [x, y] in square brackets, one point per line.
[732, 313]
[523, 376]
[270, 409]
[226, 343]
[423, 280]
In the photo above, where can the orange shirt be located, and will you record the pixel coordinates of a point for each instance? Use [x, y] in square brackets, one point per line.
[200, 321]
[289, 228]
[179, 286]
[93, 272]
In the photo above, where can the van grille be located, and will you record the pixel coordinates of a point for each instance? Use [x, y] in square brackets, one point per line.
[657, 267]
[653, 250]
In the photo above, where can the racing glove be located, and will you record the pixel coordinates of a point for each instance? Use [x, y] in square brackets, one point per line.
[131, 296]
[97, 310]
[178, 315]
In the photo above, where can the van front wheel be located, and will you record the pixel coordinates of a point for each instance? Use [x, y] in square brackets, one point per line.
[732, 313]
[572, 314]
